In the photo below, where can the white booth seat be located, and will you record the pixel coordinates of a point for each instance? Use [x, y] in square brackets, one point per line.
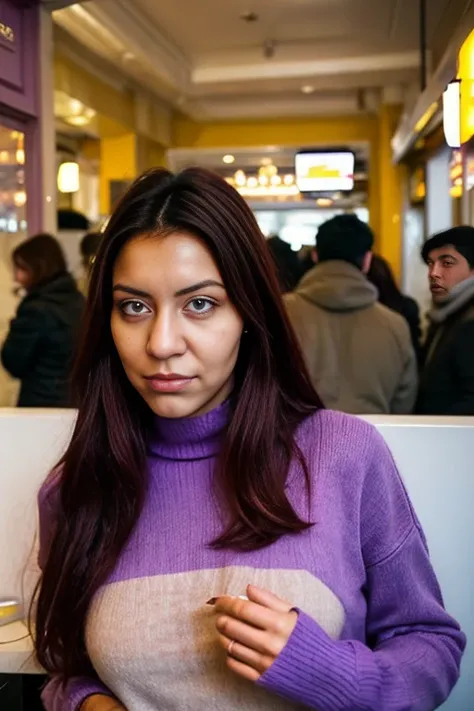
[434, 456]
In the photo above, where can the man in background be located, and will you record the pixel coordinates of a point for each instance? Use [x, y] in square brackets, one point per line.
[447, 377]
[358, 352]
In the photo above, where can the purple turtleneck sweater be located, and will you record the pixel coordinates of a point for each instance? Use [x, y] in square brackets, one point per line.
[371, 635]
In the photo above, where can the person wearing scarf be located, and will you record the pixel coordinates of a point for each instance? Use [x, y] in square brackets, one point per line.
[447, 377]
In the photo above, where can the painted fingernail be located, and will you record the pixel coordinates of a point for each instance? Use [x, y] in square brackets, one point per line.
[213, 600]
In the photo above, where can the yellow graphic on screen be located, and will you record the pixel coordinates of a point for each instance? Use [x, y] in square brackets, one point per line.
[322, 171]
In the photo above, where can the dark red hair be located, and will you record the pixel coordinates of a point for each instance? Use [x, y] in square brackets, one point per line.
[103, 478]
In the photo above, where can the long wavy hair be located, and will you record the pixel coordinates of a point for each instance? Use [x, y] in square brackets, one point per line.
[102, 480]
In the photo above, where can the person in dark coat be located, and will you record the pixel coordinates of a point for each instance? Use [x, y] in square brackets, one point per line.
[447, 377]
[40, 345]
[381, 276]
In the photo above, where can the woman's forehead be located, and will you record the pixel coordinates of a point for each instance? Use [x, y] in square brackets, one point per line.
[172, 261]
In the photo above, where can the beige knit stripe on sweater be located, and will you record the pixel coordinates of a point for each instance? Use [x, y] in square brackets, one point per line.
[153, 640]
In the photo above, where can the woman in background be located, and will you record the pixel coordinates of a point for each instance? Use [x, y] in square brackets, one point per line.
[287, 263]
[213, 539]
[89, 247]
[40, 344]
[381, 276]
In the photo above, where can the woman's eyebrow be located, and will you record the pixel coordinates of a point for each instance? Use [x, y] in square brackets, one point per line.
[198, 286]
[182, 292]
[132, 291]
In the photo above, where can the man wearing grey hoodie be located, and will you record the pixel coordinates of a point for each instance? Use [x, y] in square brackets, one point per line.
[447, 377]
[359, 353]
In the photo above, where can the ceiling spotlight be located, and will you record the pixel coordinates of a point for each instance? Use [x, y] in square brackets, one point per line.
[249, 16]
[75, 106]
[307, 89]
[228, 159]
[81, 120]
[268, 170]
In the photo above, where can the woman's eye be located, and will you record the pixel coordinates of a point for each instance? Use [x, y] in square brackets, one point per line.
[134, 308]
[200, 306]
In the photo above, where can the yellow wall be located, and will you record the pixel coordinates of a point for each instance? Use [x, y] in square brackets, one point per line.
[118, 161]
[150, 155]
[390, 179]
[284, 132]
[79, 84]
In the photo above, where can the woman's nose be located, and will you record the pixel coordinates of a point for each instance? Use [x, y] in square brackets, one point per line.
[165, 338]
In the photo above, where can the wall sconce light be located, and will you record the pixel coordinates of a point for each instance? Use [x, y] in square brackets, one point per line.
[68, 177]
[452, 114]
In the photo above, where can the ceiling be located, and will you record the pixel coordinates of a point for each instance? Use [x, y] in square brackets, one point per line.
[210, 63]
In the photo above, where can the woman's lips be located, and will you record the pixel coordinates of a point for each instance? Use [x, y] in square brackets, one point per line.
[169, 383]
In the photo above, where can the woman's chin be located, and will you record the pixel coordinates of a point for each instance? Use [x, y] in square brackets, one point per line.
[176, 406]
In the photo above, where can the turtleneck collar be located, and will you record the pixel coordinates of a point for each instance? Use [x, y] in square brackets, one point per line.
[189, 438]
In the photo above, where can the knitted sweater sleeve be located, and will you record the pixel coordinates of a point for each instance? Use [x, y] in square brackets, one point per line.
[57, 696]
[411, 656]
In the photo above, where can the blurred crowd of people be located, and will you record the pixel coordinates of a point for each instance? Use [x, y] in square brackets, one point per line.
[362, 338]
[360, 335]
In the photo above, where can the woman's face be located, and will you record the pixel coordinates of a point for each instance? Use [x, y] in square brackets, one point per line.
[21, 275]
[174, 327]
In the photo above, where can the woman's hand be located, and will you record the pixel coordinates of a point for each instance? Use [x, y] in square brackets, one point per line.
[101, 702]
[253, 632]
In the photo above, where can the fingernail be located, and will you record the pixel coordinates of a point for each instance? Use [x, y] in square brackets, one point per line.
[213, 600]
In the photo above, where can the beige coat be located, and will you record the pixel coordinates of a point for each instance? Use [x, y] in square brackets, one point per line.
[358, 352]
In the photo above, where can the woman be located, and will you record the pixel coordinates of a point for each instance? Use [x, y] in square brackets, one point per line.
[203, 468]
[89, 247]
[286, 263]
[381, 276]
[40, 344]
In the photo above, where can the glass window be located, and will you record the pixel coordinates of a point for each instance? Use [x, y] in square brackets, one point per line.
[13, 230]
[12, 183]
